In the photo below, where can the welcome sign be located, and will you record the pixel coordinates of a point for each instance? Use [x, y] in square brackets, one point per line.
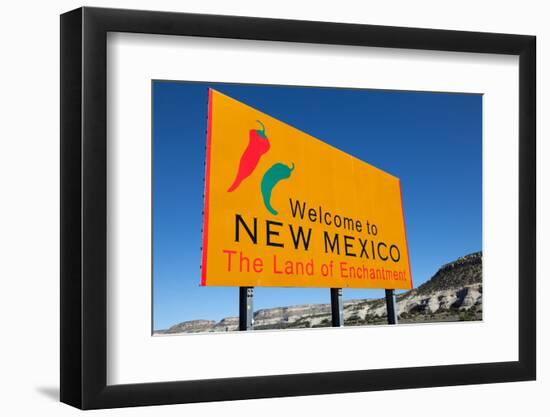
[284, 209]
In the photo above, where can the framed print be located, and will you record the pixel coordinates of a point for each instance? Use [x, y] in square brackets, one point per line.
[256, 208]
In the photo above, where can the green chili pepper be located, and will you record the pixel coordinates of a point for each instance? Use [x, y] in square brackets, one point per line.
[270, 179]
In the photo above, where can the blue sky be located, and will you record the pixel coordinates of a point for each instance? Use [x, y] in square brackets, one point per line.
[431, 141]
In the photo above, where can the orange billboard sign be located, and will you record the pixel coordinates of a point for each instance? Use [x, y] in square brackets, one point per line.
[284, 209]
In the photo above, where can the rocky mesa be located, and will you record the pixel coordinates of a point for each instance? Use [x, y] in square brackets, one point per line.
[454, 293]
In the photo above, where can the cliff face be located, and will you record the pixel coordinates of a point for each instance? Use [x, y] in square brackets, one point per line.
[192, 326]
[462, 272]
[454, 293]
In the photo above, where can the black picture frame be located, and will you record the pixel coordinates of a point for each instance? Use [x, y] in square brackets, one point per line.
[84, 207]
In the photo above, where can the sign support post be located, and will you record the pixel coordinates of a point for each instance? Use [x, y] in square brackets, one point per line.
[337, 307]
[246, 308]
[391, 306]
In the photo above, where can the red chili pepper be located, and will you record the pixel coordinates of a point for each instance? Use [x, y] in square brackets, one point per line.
[258, 144]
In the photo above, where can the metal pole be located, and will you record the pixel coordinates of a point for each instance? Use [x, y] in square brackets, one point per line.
[246, 308]
[391, 307]
[337, 307]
